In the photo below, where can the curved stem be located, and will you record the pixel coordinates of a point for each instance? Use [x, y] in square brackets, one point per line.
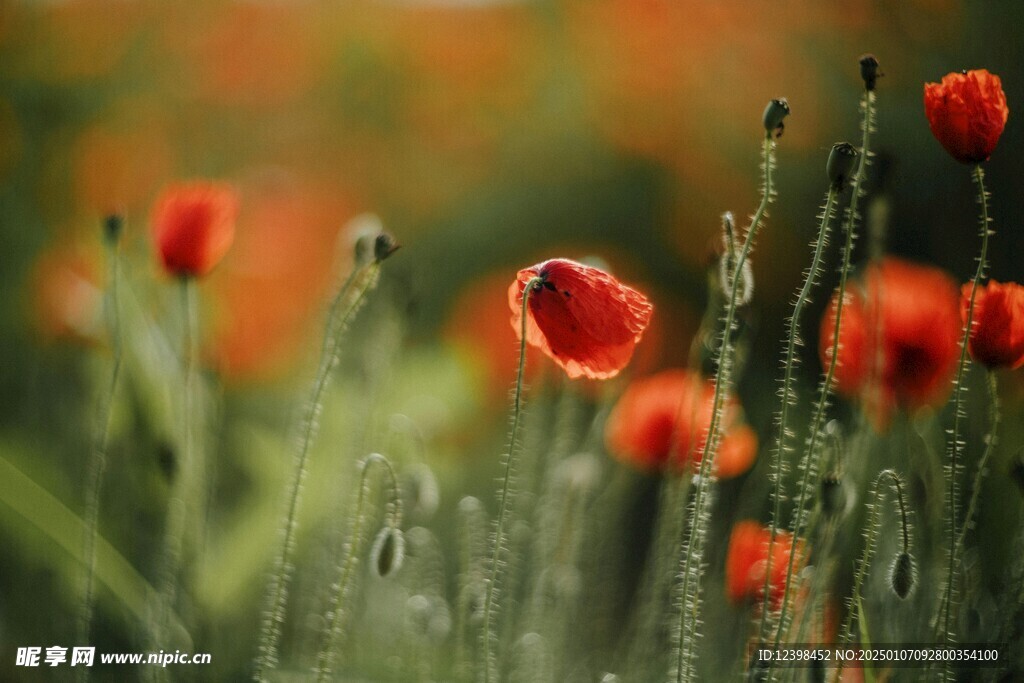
[869, 548]
[345, 305]
[990, 442]
[825, 390]
[335, 619]
[789, 399]
[955, 445]
[490, 662]
[694, 547]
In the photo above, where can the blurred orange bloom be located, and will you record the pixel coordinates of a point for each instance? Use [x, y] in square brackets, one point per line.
[194, 226]
[967, 112]
[581, 317]
[667, 416]
[747, 562]
[912, 311]
[66, 298]
[997, 337]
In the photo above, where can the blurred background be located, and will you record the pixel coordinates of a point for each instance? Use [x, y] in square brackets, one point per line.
[487, 136]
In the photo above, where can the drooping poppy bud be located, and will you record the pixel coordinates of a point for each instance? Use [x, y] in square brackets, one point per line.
[774, 113]
[869, 71]
[581, 317]
[967, 112]
[839, 167]
[194, 226]
[997, 337]
[902, 575]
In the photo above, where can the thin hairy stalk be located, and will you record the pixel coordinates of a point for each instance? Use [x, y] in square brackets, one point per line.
[347, 302]
[98, 456]
[789, 398]
[340, 591]
[490, 657]
[185, 477]
[955, 446]
[690, 593]
[472, 547]
[871, 534]
[990, 443]
[811, 453]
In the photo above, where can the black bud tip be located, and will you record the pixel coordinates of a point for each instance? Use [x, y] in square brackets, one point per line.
[903, 575]
[113, 226]
[840, 164]
[774, 113]
[388, 551]
[384, 245]
[831, 494]
[869, 71]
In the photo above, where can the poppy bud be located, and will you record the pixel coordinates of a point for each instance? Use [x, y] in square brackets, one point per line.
[831, 495]
[113, 225]
[384, 245]
[840, 164]
[776, 110]
[902, 575]
[869, 71]
[388, 551]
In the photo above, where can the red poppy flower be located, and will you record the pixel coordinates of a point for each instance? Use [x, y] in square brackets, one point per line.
[581, 317]
[668, 415]
[194, 225]
[997, 337]
[747, 561]
[917, 310]
[967, 112]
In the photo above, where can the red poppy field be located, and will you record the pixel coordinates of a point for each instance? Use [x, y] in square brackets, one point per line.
[584, 341]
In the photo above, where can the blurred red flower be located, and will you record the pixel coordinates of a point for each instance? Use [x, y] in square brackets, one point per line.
[747, 561]
[912, 313]
[997, 340]
[668, 415]
[194, 225]
[967, 112]
[581, 317]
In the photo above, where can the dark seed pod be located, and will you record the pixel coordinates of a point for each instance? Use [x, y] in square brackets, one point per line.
[840, 164]
[113, 226]
[902, 575]
[869, 70]
[388, 551]
[831, 495]
[774, 113]
[384, 245]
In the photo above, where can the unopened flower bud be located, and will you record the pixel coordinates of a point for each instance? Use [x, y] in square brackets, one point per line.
[388, 551]
[113, 225]
[840, 164]
[776, 110]
[384, 245]
[869, 70]
[902, 575]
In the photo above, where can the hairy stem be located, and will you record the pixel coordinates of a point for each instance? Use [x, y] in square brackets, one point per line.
[689, 608]
[490, 667]
[336, 617]
[789, 397]
[345, 305]
[955, 446]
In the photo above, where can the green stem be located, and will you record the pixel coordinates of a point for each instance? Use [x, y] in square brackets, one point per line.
[955, 446]
[789, 398]
[335, 619]
[825, 390]
[98, 460]
[344, 306]
[691, 564]
[869, 548]
[990, 442]
[490, 663]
